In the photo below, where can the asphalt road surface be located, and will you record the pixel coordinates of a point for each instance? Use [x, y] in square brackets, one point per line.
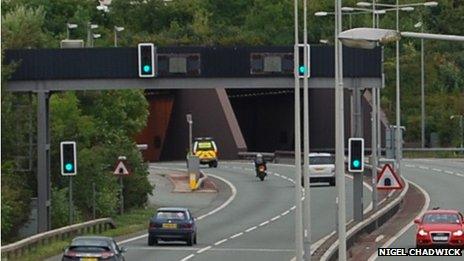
[258, 224]
[443, 180]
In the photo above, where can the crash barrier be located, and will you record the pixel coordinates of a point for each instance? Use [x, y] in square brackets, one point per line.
[268, 156]
[17, 249]
[369, 224]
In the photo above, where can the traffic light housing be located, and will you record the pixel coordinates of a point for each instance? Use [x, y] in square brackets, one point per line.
[302, 69]
[68, 158]
[355, 154]
[146, 57]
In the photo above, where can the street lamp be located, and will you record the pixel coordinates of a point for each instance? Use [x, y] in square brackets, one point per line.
[90, 27]
[69, 26]
[461, 126]
[190, 123]
[421, 25]
[429, 4]
[116, 30]
[95, 36]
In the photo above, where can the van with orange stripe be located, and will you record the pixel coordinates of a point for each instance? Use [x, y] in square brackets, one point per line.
[206, 150]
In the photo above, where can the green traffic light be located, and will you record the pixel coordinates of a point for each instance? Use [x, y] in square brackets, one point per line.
[356, 163]
[68, 167]
[302, 69]
[146, 68]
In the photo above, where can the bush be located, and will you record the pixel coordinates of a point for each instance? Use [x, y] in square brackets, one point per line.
[15, 202]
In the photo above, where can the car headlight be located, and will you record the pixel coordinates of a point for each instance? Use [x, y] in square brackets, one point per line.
[422, 232]
[458, 233]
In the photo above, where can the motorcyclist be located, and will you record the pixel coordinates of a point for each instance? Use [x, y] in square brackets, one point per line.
[259, 160]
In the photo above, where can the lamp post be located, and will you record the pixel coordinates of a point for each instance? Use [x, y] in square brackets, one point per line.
[190, 123]
[398, 7]
[298, 205]
[90, 27]
[95, 36]
[116, 30]
[421, 25]
[69, 26]
[340, 134]
[461, 126]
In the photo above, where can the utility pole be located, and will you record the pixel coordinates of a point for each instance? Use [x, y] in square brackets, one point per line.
[340, 135]
[298, 205]
[398, 119]
[306, 182]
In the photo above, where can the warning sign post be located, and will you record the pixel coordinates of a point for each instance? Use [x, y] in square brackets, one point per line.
[121, 170]
[388, 179]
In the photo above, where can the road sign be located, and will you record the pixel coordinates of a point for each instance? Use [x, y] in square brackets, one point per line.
[388, 179]
[121, 168]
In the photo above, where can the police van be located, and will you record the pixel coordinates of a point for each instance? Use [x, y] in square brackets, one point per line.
[206, 150]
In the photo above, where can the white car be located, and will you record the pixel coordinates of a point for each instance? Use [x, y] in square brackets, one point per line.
[322, 168]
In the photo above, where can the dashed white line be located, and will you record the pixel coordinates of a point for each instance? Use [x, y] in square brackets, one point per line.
[410, 165]
[236, 235]
[293, 208]
[439, 170]
[277, 174]
[220, 242]
[250, 229]
[275, 218]
[449, 172]
[460, 175]
[264, 223]
[188, 257]
[203, 249]
[285, 213]
[422, 167]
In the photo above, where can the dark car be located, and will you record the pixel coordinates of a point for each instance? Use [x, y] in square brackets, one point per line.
[93, 248]
[172, 224]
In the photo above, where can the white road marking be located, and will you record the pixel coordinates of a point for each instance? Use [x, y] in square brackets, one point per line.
[422, 167]
[188, 257]
[277, 174]
[409, 225]
[275, 218]
[380, 237]
[449, 172]
[236, 235]
[264, 223]
[132, 239]
[228, 201]
[220, 242]
[439, 170]
[460, 175]
[285, 213]
[410, 165]
[203, 249]
[250, 229]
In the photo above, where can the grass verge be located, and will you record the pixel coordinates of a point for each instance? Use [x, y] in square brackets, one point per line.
[130, 222]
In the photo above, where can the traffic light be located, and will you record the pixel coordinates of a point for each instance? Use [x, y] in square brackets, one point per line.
[146, 54]
[68, 158]
[302, 69]
[355, 154]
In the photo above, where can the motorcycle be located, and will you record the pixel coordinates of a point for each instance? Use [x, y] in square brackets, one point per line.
[261, 171]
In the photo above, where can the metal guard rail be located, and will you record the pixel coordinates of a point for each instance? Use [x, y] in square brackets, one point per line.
[21, 247]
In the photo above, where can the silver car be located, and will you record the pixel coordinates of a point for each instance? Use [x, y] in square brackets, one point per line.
[322, 168]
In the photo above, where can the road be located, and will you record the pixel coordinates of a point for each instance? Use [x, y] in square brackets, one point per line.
[443, 180]
[258, 224]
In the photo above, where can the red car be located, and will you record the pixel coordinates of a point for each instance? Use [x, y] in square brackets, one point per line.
[440, 227]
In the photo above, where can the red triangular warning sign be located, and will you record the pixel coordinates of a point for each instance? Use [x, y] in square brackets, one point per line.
[121, 169]
[388, 179]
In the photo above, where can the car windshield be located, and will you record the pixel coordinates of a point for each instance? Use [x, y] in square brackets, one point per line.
[321, 160]
[441, 218]
[177, 215]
